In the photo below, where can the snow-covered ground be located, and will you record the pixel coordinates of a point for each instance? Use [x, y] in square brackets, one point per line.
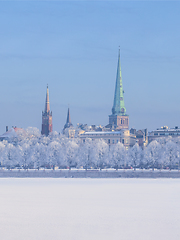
[78, 209]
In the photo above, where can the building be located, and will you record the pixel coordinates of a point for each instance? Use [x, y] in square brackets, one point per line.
[118, 128]
[163, 132]
[11, 133]
[141, 136]
[69, 130]
[112, 137]
[46, 117]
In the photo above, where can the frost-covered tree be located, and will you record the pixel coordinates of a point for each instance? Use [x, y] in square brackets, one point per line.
[39, 156]
[9, 155]
[152, 155]
[85, 154]
[100, 154]
[170, 154]
[117, 155]
[2, 146]
[26, 152]
[54, 154]
[134, 156]
[71, 154]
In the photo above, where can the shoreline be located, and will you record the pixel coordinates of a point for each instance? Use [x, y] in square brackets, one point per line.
[94, 173]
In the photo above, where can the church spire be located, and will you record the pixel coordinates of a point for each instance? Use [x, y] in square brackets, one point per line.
[118, 106]
[47, 106]
[68, 117]
[46, 116]
[119, 119]
[68, 121]
[68, 130]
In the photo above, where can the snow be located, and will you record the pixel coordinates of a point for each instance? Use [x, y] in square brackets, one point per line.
[89, 209]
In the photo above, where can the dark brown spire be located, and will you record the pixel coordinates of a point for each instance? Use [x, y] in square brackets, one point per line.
[47, 106]
[46, 117]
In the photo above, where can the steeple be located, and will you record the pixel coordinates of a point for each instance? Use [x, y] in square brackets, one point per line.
[119, 119]
[118, 106]
[68, 121]
[68, 117]
[46, 116]
[47, 107]
[68, 130]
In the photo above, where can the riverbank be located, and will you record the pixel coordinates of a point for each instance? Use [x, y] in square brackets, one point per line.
[91, 173]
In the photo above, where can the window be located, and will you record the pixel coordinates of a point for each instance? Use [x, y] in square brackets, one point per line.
[109, 141]
[113, 141]
[117, 141]
[155, 134]
[83, 140]
[122, 141]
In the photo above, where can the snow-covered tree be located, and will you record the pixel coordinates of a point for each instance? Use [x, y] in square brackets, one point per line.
[71, 155]
[9, 155]
[54, 154]
[152, 155]
[85, 154]
[100, 154]
[134, 156]
[170, 154]
[117, 156]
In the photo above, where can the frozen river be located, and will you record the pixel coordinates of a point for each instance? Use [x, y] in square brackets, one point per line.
[89, 209]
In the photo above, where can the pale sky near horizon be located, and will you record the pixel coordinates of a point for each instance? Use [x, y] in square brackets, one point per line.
[73, 46]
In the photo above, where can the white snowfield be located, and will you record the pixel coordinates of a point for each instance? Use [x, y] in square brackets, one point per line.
[89, 209]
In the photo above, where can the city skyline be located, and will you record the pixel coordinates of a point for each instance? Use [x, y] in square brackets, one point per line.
[73, 47]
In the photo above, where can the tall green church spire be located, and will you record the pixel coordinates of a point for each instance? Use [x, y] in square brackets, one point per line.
[118, 106]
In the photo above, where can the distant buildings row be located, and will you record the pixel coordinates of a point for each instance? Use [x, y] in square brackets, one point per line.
[117, 130]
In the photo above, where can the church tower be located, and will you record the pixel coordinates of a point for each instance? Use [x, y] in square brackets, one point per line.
[46, 117]
[119, 119]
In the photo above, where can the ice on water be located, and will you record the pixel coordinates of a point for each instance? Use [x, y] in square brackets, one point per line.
[86, 209]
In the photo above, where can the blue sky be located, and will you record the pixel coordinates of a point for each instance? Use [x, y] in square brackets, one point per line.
[73, 46]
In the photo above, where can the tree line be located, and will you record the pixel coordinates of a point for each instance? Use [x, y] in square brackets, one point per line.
[32, 150]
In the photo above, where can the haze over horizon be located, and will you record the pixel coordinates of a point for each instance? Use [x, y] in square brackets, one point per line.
[73, 46]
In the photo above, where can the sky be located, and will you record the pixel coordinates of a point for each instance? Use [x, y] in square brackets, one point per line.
[73, 47]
